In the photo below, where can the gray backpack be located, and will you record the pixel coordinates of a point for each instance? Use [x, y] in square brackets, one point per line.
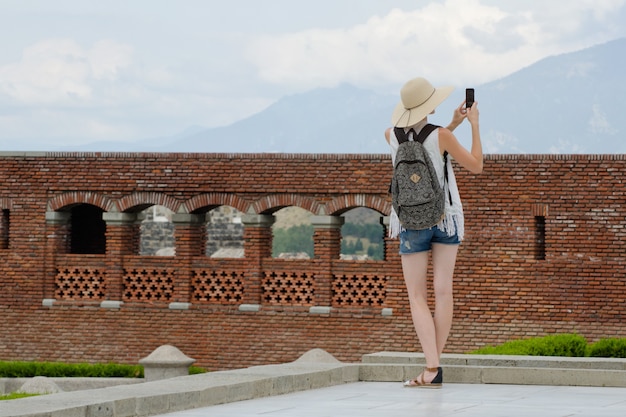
[416, 195]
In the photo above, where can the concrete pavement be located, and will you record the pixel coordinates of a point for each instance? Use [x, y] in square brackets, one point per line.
[317, 384]
[387, 399]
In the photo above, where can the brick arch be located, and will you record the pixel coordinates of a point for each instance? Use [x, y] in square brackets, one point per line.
[339, 205]
[212, 200]
[80, 197]
[146, 199]
[275, 202]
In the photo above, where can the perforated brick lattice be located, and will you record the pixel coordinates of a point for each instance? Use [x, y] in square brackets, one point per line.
[217, 286]
[288, 288]
[79, 284]
[359, 290]
[148, 284]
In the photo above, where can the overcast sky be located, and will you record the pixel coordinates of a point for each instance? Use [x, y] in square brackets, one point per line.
[77, 71]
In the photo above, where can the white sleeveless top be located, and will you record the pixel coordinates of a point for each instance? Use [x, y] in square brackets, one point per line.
[453, 221]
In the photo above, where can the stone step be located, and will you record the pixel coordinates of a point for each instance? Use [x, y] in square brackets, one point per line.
[498, 369]
[468, 374]
[400, 358]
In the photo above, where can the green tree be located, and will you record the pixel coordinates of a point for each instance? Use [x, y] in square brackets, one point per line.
[376, 252]
[294, 239]
[360, 231]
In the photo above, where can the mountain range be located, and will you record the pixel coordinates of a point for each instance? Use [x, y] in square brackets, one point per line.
[569, 103]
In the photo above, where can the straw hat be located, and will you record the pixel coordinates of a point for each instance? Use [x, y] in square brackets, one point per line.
[418, 99]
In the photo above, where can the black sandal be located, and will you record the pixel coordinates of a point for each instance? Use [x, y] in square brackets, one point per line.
[419, 382]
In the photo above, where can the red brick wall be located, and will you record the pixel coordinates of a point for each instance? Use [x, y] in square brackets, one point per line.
[502, 291]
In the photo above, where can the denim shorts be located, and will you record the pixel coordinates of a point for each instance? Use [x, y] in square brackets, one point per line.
[413, 241]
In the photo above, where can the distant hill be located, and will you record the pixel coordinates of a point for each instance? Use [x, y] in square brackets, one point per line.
[570, 103]
[345, 119]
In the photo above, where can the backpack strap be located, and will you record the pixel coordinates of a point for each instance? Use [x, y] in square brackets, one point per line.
[445, 174]
[403, 136]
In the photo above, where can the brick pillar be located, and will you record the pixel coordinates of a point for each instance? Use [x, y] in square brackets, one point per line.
[327, 248]
[57, 243]
[189, 235]
[257, 245]
[121, 239]
[391, 245]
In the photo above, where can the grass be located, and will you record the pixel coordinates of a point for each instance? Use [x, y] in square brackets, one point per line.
[569, 345]
[17, 369]
[15, 396]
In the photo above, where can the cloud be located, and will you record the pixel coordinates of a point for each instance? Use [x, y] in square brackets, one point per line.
[108, 58]
[455, 41]
[496, 141]
[201, 65]
[566, 146]
[72, 93]
[599, 123]
[60, 71]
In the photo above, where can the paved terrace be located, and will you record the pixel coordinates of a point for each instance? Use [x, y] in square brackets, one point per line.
[319, 385]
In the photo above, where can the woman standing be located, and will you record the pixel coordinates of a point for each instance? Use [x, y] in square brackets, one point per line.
[419, 99]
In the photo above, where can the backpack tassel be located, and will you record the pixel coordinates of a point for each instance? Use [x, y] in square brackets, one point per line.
[394, 225]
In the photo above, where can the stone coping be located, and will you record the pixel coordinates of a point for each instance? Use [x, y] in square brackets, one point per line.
[618, 364]
[316, 371]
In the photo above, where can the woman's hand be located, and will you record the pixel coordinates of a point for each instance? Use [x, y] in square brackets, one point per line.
[458, 116]
[472, 160]
[472, 114]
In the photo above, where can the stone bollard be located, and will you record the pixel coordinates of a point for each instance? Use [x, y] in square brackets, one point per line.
[39, 385]
[165, 362]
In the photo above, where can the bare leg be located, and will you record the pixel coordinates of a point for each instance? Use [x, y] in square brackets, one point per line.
[431, 332]
[415, 267]
[444, 259]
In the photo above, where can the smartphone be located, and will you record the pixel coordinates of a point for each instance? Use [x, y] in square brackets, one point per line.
[469, 97]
